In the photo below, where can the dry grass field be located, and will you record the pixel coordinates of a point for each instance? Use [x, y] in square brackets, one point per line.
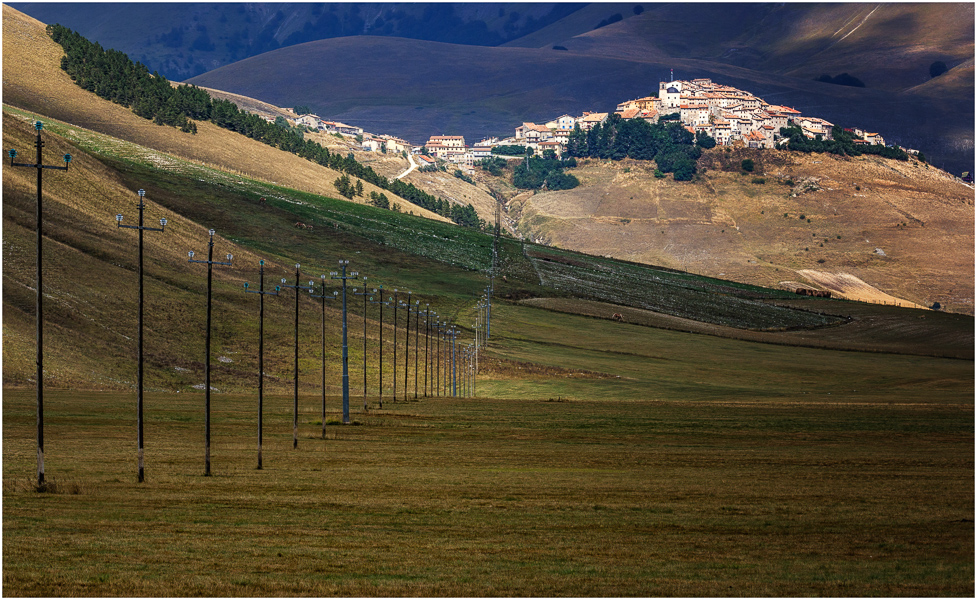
[812, 213]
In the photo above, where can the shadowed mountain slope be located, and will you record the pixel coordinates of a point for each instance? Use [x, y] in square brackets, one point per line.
[181, 40]
[415, 89]
[418, 90]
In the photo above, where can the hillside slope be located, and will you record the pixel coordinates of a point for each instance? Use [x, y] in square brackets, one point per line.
[90, 277]
[903, 228]
[33, 81]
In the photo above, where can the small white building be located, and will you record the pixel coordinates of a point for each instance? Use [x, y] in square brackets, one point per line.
[312, 121]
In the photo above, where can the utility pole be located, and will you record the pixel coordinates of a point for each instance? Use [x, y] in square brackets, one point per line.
[395, 344]
[488, 313]
[324, 297]
[139, 372]
[440, 329]
[428, 365]
[261, 344]
[382, 304]
[417, 326]
[454, 363]
[295, 401]
[343, 264]
[407, 344]
[364, 294]
[210, 262]
[39, 292]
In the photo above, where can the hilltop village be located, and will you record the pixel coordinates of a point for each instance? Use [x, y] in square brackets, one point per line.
[728, 115]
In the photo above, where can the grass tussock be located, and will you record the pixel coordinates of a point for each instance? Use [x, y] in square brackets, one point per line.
[52, 485]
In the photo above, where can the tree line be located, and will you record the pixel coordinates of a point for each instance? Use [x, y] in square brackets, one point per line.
[114, 76]
[670, 145]
[843, 144]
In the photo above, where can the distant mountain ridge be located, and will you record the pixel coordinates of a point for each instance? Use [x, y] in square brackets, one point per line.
[181, 40]
[416, 89]
[414, 70]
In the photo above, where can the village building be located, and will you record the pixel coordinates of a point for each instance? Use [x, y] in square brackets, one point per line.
[561, 123]
[703, 107]
[670, 96]
[874, 138]
[450, 141]
[628, 113]
[312, 121]
[694, 114]
[755, 139]
[447, 147]
[341, 128]
[722, 132]
[426, 161]
[396, 145]
[815, 128]
[589, 119]
[531, 134]
[556, 147]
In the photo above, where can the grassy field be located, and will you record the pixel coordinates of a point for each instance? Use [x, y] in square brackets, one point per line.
[492, 497]
[632, 462]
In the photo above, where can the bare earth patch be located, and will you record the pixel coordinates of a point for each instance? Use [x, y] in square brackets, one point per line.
[849, 287]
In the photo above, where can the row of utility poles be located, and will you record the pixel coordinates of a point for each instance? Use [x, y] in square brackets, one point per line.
[441, 377]
[444, 331]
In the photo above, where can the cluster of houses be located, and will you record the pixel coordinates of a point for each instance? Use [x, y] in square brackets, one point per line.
[370, 143]
[722, 112]
[727, 114]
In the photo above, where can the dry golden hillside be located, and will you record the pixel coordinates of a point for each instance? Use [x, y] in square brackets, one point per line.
[32, 80]
[905, 230]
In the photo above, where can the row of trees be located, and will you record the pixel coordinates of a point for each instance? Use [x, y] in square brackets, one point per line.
[842, 144]
[113, 76]
[670, 145]
[536, 173]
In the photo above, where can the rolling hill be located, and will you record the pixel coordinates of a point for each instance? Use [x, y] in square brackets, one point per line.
[903, 228]
[888, 46]
[28, 52]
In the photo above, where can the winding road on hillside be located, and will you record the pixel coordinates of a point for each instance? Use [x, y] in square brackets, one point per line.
[413, 165]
